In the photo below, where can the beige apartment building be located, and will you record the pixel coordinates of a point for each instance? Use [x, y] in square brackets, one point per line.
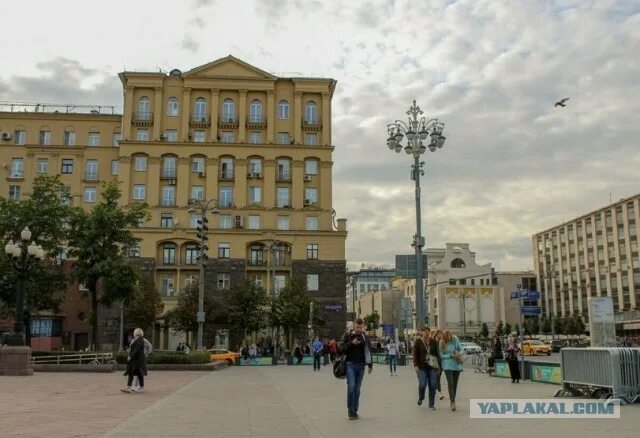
[595, 254]
[258, 144]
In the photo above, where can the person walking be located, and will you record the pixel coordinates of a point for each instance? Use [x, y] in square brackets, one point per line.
[317, 354]
[148, 348]
[512, 359]
[496, 352]
[425, 363]
[437, 337]
[392, 352]
[333, 350]
[451, 357]
[297, 352]
[136, 361]
[357, 349]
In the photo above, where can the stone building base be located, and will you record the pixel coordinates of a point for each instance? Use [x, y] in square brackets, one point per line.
[15, 361]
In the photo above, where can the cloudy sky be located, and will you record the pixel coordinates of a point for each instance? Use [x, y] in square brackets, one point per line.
[490, 70]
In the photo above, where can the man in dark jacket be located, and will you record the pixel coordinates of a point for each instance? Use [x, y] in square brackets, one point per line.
[357, 348]
[423, 348]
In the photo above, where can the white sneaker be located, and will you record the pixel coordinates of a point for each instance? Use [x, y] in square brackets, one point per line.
[138, 389]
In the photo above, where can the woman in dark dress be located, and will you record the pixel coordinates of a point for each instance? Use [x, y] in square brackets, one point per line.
[496, 352]
[512, 359]
[136, 361]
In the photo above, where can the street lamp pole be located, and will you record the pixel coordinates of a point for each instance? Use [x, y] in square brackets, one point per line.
[22, 257]
[201, 207]
[416, 130]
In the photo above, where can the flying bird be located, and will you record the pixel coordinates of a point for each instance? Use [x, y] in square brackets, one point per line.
[562, 102]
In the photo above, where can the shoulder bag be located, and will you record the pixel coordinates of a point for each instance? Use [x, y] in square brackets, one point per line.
[432, 360]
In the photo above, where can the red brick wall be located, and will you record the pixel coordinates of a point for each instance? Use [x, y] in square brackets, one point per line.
[46, 344]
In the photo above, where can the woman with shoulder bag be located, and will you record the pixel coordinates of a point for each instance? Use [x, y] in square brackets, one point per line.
[425, 363]
[451, 356]
[136, 362]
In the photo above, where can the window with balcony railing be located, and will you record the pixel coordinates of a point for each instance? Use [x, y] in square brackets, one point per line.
[169, 254]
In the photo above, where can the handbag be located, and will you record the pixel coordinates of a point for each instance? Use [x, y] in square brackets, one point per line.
[340, 367]
[432, 361]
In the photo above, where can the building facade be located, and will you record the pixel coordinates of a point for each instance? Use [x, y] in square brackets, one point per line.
[387, 304]
[367, 280]
[258, 144]
[509, 282]
[593, 255]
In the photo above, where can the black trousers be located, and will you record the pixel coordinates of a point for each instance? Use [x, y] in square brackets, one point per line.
[452, 383]
[514, 369]
[316, 361]
[140, 378]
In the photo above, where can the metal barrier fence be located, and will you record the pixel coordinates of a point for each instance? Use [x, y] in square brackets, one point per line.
[88, 358]
[602, 372]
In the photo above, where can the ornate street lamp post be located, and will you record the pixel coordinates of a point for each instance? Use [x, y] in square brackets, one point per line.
[421, 134]
[23, 256]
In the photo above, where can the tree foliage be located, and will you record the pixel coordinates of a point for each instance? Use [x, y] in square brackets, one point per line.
[372, 321]
[291, 309]
[558, 325]
[146, 306]
[100, 240]
[500, 329]
[244, 306]
[507, 329]
[183, 317]
[484, 330]
[546, 326]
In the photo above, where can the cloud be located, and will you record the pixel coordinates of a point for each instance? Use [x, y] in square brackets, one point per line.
[188, 43]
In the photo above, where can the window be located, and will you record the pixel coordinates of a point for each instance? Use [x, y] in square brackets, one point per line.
[169, 167]
[168, 196]
[17, 168]
[90, 194]
[312, 222]
[134, 250]
[193, 221]
[197, 165]
[115, 167]
[116, 139]
[67, 166]
[171, 135]
[45, 138]
[140, 164]
[278, 283]
[311, 112]
[139, 192]
[228, 111]
[191, 255]
[256, 255]
[312, 282]
[227, 137]
[19, 137]
[198, 136]
[226, 168]
[311, 195]
[168, 254]
[254, 195]
[42, 165]
[94, 139]
[258, 280]
[224, 281]
[200, 110]
[255, 165]
[69, 138]
[91, 172]
[166, 220]
[172, 107]
[312, 251]
[224, 250]
[226, 196]
[47, 328]
[14, 193]
[284, 170]
[144, 109]
[142, 134]
[224, 221]
[284, 138]
[255, 137]
[311, 167]
[283, 222]
[311, 139]
[283, 197]
[166, 286]
[197, 192]
[255, 111]
[254, 222]
[283, 109]
[458, 263]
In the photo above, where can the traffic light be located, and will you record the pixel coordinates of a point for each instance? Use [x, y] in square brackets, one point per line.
[202, 228]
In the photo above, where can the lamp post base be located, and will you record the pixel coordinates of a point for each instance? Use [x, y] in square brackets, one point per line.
[15, 361]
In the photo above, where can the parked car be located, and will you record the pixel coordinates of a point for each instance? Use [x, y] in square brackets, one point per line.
[231, 357]
[471, 348]
[534, 347]
[557, 345]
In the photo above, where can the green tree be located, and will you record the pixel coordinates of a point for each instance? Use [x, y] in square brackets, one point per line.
[244, 306]
[517, 329]
[291, 309]
[145, 307]
[46, 214]
[500, 329]
[546, 326]
[580, 326]
[100, 241]
[372, 321]
[183, 317]
[507, 329]
[484, 330]
[570, 326]
[534, 326]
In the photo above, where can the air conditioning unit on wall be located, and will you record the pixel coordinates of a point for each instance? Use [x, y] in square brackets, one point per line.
[239, 222]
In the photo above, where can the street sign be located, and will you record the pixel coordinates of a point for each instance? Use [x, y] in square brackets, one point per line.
[200, 317]
[336, 307]
[526, 294]
[531, 310]
[388, 330]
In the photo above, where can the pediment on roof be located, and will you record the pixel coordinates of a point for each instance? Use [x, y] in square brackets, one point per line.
[228, 67]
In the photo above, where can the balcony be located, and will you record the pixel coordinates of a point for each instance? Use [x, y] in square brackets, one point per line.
[256, 121]
[142, 119]
[228, 175]
[314, 124]
[91, 176]
[256, 263]
[200, 120]
[168, 174]
[283, 177]
[228, 121]
[225, 204]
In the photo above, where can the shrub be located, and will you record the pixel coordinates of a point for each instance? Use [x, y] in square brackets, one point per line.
[168, 357]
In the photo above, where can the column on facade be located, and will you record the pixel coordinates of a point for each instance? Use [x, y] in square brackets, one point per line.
[596, 255]
[325, 186]
[125, 177]
[271, 117]
[326, 118]
[297, 184]
[153, 183]
[29, 170]
[215, 110]
[157, 113]
[569, 304]
[186, 112]
[211, 182]
[127, 113]
[182, 188]
[242, 115]
[629, 268]
[636, 211]
[269, 196]
[553, 270]
[162, 337]
[616, 251]
[297, 117]
[541, 271]
[240, 189]
[586, 273]
[607, 268]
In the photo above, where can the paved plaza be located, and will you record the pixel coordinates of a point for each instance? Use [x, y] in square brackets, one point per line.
[280, 401]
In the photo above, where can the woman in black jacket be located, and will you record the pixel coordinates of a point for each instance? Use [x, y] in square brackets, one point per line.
[136, 361]
[496, 352]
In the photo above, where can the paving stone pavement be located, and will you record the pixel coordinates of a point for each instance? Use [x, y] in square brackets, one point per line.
[297, 402]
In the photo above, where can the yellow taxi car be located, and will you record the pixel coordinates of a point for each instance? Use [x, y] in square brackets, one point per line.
[231, 357]
[535, 347]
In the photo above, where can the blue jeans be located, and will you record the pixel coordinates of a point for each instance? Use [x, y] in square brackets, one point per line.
[316, 361]
[427, 376]
[393, 363]
[355, 374]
